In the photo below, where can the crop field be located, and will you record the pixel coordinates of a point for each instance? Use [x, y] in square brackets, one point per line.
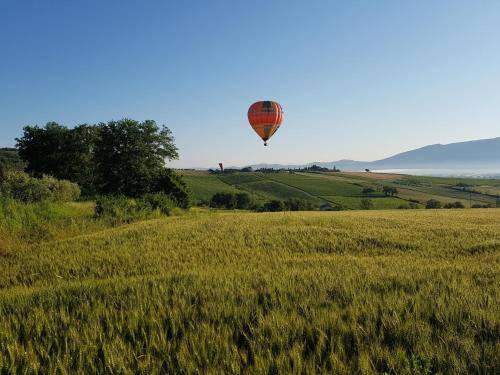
[203, 187]
[348, 188]
[409, 291]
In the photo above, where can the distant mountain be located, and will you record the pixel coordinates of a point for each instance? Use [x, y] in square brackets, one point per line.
[481, 154]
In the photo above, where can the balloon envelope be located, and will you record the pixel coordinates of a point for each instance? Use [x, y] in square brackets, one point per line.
[265, 117]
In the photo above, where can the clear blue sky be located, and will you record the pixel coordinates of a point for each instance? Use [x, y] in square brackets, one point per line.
[357, 79]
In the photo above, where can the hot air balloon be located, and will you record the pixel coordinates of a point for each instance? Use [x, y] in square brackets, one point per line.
[265, 118]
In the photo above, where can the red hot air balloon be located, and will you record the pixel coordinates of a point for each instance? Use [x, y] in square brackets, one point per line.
[265, 118]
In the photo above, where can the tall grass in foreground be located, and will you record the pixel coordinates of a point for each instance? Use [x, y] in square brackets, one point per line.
[349, 292]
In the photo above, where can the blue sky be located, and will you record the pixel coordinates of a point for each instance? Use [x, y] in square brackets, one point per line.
[357, 79]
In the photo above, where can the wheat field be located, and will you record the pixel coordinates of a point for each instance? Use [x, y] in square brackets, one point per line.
[271, 293]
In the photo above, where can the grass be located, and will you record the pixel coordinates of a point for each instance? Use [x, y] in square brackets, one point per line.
[204, 187]
[346, 292]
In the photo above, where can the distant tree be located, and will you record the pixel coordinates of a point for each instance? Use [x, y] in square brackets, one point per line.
[246, 169]
[433, 203]
[274, 206]
[390, 191]
[366, 204]
[223, 200]
[368, 190]
[456, 204]
[243, 201]
[497, 203]
[130, 157]
[296, 204]
[367, 170]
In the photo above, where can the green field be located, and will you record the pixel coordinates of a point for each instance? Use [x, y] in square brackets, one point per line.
[345, 189]
[222, 292]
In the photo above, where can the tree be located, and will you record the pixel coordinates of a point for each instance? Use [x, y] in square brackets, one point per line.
[366, 204]
[130, 157]
[243, 201]
[389, 191]
[274, 206]
[223, 200]
[456, 204]
[59, 151]
[296, 204]
[433, 203]
[497, 203]
[368, 190]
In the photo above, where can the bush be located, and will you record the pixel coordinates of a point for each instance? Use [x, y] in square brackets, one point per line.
[273, 206]
[295, 204]
[368, 190]
[22, 187]
[169, 182]
[161, 202]
[433, 203]
[122, 209]
[366, 204]
[477, 205]
[454, 205]
[223, 200]
[243, 201]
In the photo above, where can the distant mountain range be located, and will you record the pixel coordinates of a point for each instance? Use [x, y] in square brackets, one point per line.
[472, 155]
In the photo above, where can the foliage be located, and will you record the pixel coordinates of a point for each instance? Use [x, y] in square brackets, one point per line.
[433, 203]
[20, 186]
[168, 182]
[243, 201]
[335, 293]
[60, 152]
[126, 210]
[130, 157]
[454, 205]
[366, 204]
[368, 190]
[9, 159]
[390, 191]
[223, 200]
[295, 204]
[273, 206]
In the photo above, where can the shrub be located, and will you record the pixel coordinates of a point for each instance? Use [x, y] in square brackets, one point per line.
[296, 204]
[169, 182]
[273, 206]
[368, 190]
[243, 201]
[454, 205]
[223, 200]
[161, 202]
[122, 209]
[22, 187]
[433, 203]
[366, 204]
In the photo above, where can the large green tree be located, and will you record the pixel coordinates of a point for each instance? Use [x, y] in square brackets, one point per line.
[59, 151]
[130, 157]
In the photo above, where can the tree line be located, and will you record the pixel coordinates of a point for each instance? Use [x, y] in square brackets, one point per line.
[124, 157]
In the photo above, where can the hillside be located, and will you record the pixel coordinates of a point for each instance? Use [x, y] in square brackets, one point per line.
[480, 154]
[345, 190]
[345, 292]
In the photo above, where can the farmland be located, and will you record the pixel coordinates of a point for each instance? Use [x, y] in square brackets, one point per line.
[345, 190]
[402, 291]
